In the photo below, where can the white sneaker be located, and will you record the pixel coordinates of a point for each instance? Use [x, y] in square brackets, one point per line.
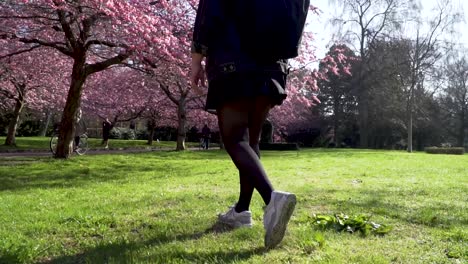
[235, 219]
[276, 217]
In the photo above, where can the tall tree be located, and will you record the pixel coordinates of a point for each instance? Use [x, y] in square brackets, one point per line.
[27, 80]
[338, 103]
[389, 65]
[455, 98]
[424, 54]
[361, 23]
[123, 94]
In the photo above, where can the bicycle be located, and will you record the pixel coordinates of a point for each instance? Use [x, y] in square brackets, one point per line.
[81, 149]
[201, 146]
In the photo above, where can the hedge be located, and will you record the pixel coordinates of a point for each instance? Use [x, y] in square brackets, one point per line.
[452, 151]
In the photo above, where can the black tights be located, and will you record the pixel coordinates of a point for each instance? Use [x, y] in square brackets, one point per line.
[240, 124]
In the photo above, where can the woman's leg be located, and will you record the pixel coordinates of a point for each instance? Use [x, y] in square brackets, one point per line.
[236, 120]
[257, 115]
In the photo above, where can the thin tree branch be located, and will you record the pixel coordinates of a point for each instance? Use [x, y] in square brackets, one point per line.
[19, 52]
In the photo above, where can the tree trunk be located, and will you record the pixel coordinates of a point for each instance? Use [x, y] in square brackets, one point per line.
[11, 136]
[46, 123]
[266, 135]
[336, 121]
[461, 136]
[221, 142]
[409, 111]
[410, 128]
[67, 124]
[151, 133]
[363, 108]
[182, 121]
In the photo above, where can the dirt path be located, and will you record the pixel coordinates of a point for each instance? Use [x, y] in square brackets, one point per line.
[41, 153]
[90, 152]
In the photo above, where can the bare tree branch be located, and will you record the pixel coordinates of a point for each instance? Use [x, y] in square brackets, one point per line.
[99, 66]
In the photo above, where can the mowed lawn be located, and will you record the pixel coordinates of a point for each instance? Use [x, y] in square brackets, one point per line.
[161, 207]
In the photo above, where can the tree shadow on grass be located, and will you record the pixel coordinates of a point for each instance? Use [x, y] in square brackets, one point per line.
[130, 252]
[80, 173]
[85, 171]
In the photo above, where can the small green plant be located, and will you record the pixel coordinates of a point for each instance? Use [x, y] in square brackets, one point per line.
[351, 224]
[308, 242]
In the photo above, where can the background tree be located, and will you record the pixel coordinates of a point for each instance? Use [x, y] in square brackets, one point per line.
[424, 53]
[338, 107]
[361, 23]
[27, 81]
[389, 66]
[455, 98]
[119, 94]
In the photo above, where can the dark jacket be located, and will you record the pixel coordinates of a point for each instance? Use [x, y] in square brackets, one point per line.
[206, 132]
[215, 36]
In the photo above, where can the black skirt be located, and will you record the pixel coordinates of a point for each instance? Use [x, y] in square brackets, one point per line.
[235, 86]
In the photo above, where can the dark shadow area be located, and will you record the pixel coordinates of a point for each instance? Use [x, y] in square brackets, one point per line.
[77, 173]
[127, 252]
[212, 154]
[346, 153]
[201, 257]
[11, 162]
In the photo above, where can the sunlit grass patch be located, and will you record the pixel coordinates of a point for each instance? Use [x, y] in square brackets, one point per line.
[161, 207]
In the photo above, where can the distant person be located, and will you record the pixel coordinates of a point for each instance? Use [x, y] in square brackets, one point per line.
[206, 134]
[80, 128]
[106, 128]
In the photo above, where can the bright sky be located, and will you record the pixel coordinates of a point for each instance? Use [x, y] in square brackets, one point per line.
[323, 29]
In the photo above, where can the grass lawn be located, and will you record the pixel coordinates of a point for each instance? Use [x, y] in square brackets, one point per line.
[160, 207]
[42, 143]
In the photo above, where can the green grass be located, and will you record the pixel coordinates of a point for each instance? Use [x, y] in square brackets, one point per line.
[160, 207]
[42, 143]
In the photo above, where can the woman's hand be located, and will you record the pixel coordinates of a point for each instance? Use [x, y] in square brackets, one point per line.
[197, 76]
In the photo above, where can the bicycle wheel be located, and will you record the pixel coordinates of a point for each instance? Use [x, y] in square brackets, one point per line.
[82, 147]
[53, 144]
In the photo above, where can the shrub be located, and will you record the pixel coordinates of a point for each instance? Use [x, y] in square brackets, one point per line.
[166, 133]
[115, 133]
[445, 150]
[28, 128]
[122, 133]
[306, 138]
[142, 134]
[128, 134]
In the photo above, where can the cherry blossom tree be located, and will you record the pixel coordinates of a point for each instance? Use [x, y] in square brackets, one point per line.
[28, 80]
[123, 94]
[117, 94]
[172, 77]
[95, 34]
[297, 110]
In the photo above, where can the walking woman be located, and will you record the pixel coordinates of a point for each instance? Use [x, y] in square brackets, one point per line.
[241, 91]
